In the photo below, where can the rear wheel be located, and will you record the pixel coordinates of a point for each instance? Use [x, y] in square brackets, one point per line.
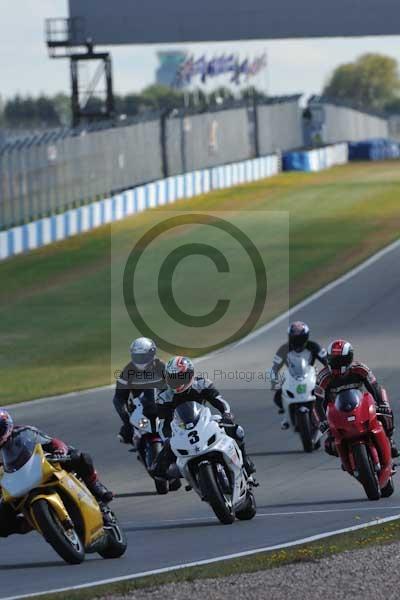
[365, 472]
[305, 430]
[388, 490]
[65, 542]
[212, 493]
[249, 511]
[116, 538]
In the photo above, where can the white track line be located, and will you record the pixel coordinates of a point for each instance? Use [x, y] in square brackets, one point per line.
[209, 561]
[211, 521]
[330, 286]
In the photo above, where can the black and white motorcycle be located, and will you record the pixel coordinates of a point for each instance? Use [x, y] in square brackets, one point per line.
[146, 440]
[211, 462]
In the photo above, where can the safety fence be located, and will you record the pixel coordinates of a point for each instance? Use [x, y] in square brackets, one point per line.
[331, 122]
[47, 174]
[78, 220]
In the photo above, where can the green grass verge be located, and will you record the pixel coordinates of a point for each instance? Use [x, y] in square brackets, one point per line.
[55, 302]
[356, 540]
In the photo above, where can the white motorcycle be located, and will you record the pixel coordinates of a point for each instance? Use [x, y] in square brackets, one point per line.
[211, 462]
[146, 440]
[298, 401]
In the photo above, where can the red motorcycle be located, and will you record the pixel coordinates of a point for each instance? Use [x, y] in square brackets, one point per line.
[361, 442]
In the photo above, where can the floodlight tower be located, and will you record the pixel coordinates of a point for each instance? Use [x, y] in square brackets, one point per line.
[60, 39]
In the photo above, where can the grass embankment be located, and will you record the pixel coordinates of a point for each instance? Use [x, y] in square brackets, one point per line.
[357, 540]
[55, 302]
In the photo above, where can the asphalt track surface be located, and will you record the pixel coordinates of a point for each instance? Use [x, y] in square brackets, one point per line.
[299, 495]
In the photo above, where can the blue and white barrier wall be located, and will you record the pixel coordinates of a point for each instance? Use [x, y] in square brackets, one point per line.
[78, 220]
[375, 149]
[316, 160]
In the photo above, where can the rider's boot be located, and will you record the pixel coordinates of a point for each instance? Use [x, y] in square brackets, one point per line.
[247, 462]
[125, 434]
[22, 526]
[174, 485]
[278, 402]
[99, 491]
[330, 446]
[394, 449]
[285, 424]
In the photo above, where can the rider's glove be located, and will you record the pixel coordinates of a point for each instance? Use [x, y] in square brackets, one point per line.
[228, 419]
[324, 426]
[384, 409]
[274, 380]
[59, 456]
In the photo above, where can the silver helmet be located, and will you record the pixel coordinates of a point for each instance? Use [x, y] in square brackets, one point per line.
[143, 351]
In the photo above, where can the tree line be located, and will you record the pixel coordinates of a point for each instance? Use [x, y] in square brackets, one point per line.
[55, 111]
[371, 82]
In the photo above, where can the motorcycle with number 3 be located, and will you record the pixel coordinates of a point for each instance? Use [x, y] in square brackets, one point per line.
[57, 504]
[211, 462]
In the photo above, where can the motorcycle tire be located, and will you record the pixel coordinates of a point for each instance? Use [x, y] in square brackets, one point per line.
[116, 541]
[250, 509]
[366, 473]
[70, 550]
[305, 430]
[388, 490]
[152, 451]
[213, 495]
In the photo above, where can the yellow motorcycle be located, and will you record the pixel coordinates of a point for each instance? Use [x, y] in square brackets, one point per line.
[56, 503]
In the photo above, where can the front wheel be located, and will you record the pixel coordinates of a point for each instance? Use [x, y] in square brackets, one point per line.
[365, 472]
[65, 542]
[249, 511]
[212, 493]
[305, 430]
[116, 539]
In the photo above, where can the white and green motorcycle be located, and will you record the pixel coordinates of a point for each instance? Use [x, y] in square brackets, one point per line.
[298, 401]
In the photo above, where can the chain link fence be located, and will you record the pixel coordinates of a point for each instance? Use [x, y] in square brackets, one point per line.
[48, 173]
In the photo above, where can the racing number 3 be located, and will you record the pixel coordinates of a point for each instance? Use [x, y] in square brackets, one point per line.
[193, 437]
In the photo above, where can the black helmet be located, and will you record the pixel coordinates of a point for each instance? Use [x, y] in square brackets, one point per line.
[143, 351]
[299, 333]
[179, 374]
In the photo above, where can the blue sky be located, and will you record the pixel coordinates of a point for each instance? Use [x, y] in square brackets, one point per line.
[294, 65]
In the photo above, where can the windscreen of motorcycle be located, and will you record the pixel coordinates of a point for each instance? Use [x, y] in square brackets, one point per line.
[18, 451]
[22, 465]
[187, 414]
[297, 365]
[348, 400]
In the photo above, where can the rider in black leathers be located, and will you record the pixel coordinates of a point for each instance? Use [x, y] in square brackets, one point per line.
[144, 374]
[298, 341]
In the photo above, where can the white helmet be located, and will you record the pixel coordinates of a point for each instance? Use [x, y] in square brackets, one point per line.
[143, 351]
